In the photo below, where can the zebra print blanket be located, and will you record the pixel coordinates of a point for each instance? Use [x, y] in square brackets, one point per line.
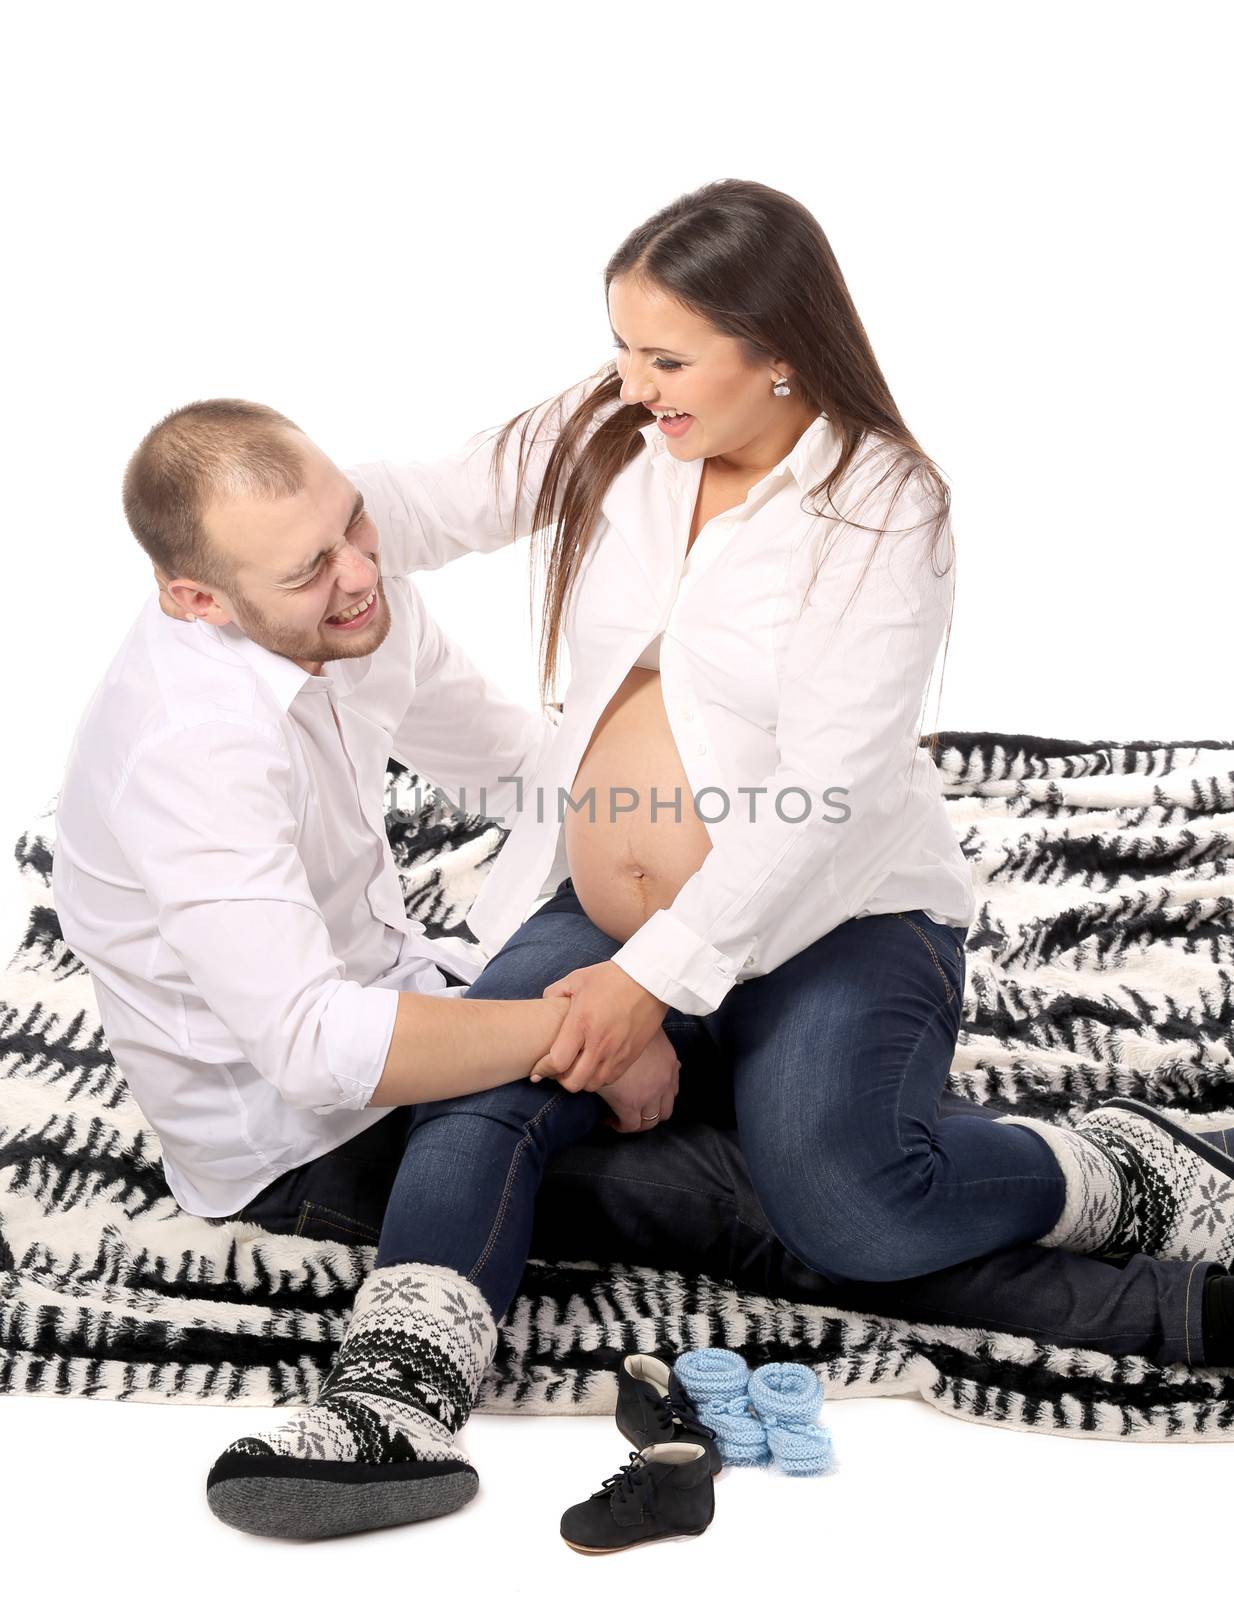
[1101, 961]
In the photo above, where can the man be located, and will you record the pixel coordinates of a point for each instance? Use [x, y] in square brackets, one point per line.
[222, 865]
[223, 871]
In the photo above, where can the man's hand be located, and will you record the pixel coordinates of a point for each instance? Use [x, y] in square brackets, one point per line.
[609, 1025]
[642, 1098]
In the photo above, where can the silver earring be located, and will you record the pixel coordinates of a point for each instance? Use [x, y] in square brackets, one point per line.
[780, 387]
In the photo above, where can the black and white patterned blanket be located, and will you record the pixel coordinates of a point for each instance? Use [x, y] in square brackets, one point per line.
[1101, 961]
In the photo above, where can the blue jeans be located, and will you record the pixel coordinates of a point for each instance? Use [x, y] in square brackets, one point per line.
[813, 1152]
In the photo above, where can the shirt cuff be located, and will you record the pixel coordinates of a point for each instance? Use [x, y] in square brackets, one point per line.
[361, 1026]
[672, 962]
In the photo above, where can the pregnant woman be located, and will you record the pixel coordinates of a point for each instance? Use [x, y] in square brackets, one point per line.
[745, 848]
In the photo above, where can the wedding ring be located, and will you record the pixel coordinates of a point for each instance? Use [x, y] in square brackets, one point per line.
[645, 1118]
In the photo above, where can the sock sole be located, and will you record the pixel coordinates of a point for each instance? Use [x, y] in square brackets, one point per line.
[1214, 1127]
[282, 1497]
[1207, 1152]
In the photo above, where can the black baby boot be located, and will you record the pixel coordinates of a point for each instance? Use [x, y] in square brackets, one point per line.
[663, 1492]
[653, 1408]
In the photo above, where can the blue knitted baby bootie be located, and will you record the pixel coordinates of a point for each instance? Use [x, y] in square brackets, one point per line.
[717, 1380]
[785, 1396]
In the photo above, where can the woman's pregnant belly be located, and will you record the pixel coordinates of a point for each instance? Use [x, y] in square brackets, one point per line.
[629, 850]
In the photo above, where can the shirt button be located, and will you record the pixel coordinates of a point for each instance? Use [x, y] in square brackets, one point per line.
[687, 716]
[749, 961]
[701, 748]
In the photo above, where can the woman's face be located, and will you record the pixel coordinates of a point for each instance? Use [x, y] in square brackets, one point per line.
[670, 358]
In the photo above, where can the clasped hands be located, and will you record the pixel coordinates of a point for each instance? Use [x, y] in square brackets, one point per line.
[611, 1042]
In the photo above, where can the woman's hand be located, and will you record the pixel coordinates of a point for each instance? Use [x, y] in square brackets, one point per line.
[642, 1098]
[610, 1023]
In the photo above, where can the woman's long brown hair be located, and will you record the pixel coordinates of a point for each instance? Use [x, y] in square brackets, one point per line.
[758, 267]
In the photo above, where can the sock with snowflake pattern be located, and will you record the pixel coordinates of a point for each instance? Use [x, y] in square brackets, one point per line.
[377, 1447]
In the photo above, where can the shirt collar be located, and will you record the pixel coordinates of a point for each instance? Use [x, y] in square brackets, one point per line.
[282, 676]
[809, 460]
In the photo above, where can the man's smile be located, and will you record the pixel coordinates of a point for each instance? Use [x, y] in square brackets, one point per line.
[357, 616]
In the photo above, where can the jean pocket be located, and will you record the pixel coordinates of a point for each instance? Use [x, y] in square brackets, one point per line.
[945, 945]
[270, 1218]
[317, 1221]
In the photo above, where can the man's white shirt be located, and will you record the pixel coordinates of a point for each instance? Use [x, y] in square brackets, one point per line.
[222, 869]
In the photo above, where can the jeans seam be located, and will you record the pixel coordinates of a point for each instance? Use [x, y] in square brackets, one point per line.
[905, 1075]
[510, 1175]
[967, 1183]
[933, 955]
[330, 1214]
[1187, 1309]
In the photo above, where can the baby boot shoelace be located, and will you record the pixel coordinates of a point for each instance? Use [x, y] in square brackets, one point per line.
[654, 1408]
[624, 1484]
[709, 1410]
[664, 1491]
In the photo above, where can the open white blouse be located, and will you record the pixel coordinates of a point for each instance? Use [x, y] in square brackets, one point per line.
[763, 693]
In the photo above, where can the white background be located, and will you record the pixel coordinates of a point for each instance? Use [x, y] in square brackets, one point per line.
[391, 223]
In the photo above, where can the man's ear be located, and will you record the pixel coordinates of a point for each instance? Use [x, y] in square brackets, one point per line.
[167, 604]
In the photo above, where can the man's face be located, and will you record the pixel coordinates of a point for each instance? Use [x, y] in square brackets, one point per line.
[298, 564]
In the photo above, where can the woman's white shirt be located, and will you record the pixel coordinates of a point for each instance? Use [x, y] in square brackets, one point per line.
[797, 726]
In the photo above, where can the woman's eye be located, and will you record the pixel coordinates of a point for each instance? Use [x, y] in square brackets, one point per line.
[664, 364]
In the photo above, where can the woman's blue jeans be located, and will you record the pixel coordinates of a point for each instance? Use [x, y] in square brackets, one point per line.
[864, 1182]
[838, 1059]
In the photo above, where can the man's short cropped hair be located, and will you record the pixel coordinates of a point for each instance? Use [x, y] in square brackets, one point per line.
[209, 450]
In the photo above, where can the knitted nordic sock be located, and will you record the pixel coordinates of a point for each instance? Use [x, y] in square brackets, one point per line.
[1180, 1185]
[377, 1446]
[1097, 1210]
[1141, 1179]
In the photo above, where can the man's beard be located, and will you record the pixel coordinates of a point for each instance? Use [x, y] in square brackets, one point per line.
[319, 644]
